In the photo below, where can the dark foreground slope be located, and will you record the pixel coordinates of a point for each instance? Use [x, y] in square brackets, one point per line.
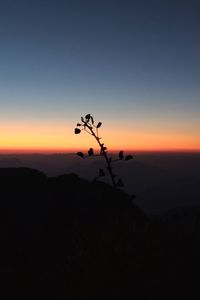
[66, 238]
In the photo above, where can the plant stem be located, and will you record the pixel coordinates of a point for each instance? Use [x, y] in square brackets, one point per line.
[103, 151]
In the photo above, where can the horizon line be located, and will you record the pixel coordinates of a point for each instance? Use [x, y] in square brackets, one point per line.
[72, 150]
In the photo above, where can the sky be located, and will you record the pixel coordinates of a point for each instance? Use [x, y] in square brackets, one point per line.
[134, 65]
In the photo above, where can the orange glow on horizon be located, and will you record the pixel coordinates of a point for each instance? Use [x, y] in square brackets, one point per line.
[51, 138]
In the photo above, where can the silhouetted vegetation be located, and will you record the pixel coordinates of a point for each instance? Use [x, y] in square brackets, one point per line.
[88, 124]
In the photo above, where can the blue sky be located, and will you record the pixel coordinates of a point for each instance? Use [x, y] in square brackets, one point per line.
[128, 62]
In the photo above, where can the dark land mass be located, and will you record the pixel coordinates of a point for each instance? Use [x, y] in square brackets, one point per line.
[160, 181]
[63, 237]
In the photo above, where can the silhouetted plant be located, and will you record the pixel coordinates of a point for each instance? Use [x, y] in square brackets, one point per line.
[87, 124]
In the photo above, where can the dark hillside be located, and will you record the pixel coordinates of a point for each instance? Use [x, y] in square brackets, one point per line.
[66, 238]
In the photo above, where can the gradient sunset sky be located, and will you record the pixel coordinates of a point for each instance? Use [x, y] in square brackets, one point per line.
[134, 65]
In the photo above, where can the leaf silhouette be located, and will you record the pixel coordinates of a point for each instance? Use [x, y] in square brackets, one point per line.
[92, 120]
[99, 124]
[128, 157]
[78, 124]
[90, 152]
[80, 154]
[87, 117]
[77, 130]
[121, 155]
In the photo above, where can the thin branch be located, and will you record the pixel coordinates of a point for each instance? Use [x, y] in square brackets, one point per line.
[104, 152]
[88, 131]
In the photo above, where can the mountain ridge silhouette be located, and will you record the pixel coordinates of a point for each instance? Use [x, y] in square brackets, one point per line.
[65, 237]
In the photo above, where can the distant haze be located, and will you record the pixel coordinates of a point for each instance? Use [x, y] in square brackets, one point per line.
[160, 181]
